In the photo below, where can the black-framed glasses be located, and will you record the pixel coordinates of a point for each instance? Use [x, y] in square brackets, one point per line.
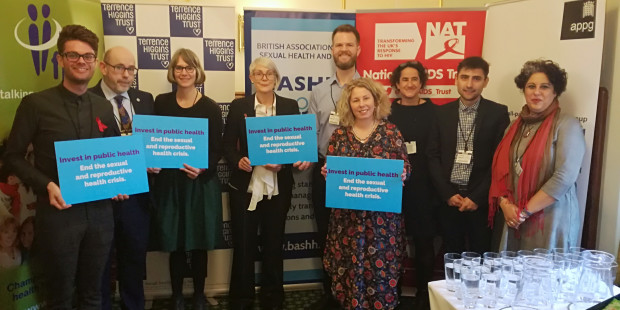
[259, 75]
[121, 69]
[188, 69]
[73, 56]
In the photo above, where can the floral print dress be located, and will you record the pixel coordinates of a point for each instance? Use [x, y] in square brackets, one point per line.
[364, 249]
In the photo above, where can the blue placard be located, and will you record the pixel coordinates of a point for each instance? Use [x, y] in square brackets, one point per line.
[171, 141]
[281, 139]
[95, 169]
[364, 184]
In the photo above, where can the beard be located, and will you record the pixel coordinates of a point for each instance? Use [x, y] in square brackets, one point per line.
[348, 64]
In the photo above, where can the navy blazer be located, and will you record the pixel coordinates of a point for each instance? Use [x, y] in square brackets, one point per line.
[236, 140]
[491, 122]
[141, 101]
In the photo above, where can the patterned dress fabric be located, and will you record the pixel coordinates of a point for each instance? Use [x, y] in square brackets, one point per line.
[364, 249]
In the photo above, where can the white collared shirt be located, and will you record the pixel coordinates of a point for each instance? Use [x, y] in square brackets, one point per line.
[110, 94]
[264, 182]
[264, 110]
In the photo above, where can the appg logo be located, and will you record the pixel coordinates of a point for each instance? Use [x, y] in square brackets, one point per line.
[40, 37]
[445, 40]
[579, 20]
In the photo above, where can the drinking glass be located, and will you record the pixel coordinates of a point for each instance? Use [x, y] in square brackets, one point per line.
[576, 250]
[470, 282]
[448, 260]
[524, 253]
[570, 279]
[489, 279]
[510, 281]
[542, 252]
[457, 263]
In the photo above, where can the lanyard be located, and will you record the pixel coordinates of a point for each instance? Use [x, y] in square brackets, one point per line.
[471, 130]
[133, 112]
[331, 94]
[520, 158]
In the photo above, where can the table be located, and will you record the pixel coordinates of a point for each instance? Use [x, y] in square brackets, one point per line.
[442, 299]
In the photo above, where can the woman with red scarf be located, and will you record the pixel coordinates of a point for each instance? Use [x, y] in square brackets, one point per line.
[536, 165]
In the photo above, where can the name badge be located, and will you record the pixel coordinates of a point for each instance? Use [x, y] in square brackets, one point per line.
[334, 119]
[411, 147]
[463, 157]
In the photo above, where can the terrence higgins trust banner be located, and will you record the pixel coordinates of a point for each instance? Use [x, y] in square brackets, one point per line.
[153, 32]
[29, 30]
[439, 40]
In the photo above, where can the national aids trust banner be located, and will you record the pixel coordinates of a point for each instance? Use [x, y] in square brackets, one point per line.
[438, 40]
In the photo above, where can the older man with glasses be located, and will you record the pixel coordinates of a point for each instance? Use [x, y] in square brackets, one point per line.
[71, 243]
[131, 217]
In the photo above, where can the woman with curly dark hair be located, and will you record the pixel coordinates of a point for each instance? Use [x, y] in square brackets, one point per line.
[414, 117]
[536, 165]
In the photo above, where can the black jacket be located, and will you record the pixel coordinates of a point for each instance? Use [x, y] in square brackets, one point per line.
[236, 140]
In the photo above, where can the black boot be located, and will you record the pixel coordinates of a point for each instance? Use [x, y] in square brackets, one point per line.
[177, 268]
[200, 302]
[177, 303]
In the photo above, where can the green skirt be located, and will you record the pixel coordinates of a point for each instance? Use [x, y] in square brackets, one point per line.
[187, 213]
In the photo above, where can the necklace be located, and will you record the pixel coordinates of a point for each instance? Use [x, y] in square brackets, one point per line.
[527, 130]
[193, 102]
[374, 125]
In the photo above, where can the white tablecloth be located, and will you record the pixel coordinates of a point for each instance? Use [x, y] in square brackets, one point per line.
[442, 299]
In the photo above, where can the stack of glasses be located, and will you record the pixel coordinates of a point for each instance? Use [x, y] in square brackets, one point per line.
[539, 279]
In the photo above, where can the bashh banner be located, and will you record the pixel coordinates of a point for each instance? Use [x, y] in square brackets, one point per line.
[30, 31]
[437, 39]
[300, 45]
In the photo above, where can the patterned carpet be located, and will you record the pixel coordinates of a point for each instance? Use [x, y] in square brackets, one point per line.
[294, 300]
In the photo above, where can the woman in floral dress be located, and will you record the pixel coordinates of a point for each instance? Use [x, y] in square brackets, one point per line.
[364, 249]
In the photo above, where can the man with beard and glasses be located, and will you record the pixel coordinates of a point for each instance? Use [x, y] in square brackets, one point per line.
[71, 243]
[345, 49]
[131, 217]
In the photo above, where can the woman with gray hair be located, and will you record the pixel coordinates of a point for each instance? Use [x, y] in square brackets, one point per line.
[536, 165]
[260, 196]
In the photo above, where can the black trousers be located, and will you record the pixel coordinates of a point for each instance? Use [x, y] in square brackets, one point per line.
[131, 235]
[321, 215]
[70, 251]
[270, 216]
[465, 231]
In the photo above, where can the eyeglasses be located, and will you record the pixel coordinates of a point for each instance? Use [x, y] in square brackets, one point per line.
[259, 75]
[73, 56]
[188, 69]
[121, 69]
